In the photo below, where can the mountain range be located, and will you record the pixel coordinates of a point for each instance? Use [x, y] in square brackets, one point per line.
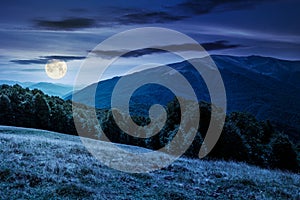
[52, 89]
[263, 86]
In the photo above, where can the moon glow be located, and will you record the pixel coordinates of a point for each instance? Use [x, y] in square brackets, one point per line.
[56, 69]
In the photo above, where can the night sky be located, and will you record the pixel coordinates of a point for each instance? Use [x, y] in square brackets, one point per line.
[33, 32]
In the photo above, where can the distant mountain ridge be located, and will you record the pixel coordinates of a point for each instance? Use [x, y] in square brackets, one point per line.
[52, 89]
[281, 70]
[263, 86]
[10, 82]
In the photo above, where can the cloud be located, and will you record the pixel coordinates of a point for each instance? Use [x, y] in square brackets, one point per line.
[45, 59]
[65, 58]
[29, 62]
[126, 53]
[181, 11]
[130, 16]
[216, 45]
[32, 70]
[106, 54]
[219, 45]
[116, 16]
[66, 24]
[149, 17]
[122, 16]
[209, 6]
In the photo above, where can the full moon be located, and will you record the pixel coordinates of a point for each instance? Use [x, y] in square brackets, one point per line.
[56, 69]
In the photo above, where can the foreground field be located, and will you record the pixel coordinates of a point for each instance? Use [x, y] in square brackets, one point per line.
[37, 164]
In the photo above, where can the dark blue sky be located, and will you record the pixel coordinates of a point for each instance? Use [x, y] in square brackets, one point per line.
[32, 32]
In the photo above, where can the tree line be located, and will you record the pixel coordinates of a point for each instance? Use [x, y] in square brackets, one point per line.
[244, 138]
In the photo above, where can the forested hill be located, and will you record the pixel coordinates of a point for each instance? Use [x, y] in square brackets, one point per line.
[34, 109]
[244, 138]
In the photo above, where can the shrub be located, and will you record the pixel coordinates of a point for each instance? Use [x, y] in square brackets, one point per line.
[284, 155]
[231, 145]
[254, 137]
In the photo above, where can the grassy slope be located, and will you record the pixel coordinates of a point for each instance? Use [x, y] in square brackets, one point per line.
[38, 164]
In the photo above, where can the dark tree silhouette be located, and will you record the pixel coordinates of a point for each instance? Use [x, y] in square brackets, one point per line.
[41, 111]
[284, 155]
[6, 116]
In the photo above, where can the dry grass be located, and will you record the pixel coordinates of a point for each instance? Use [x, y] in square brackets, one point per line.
[38, 164]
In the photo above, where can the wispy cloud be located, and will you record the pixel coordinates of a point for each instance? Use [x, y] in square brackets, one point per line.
[65, 24]
[123, 17]
[208, 6]
[45, 59]
[116, 16]
[216, 45]
[220, 45]
[65, 58]
[148, 17]
[32, 70]
[29, 62]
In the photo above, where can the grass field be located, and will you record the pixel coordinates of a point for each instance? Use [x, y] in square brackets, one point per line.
[36, 164]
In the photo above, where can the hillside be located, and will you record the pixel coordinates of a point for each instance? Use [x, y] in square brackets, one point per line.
[244, 138]
[258, 85]
[47, 165]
